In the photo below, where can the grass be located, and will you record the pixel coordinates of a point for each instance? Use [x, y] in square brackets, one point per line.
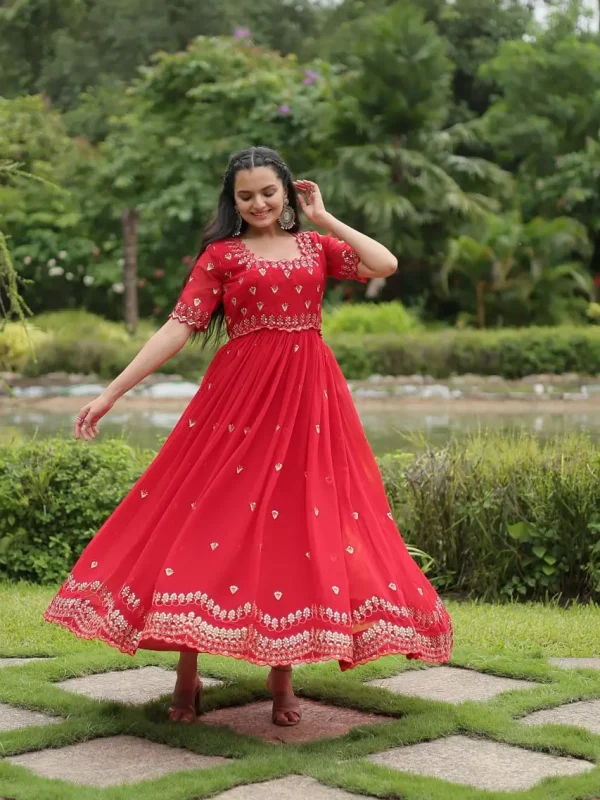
[510, 640]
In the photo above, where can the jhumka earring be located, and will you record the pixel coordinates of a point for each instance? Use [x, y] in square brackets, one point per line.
[287, 218]
[238, 224]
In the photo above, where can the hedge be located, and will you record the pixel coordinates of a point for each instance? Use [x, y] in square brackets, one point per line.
[80, 342]
[509, 353]
[500, 516]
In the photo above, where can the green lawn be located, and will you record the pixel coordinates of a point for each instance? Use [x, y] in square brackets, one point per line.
[512, 640]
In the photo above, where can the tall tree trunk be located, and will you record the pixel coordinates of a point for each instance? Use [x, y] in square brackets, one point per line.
[130, 221]
[480, 291]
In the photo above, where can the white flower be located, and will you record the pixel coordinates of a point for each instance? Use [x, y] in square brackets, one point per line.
[121, 262]
[52, 262]
[118, 288]
[69, 276]
[27, 260]
[63, 254]
[88, 280]
[54, 271]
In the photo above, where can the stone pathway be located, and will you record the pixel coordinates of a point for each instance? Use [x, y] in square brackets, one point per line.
[585, 714]
[450, 685]
[127, 686]
[319, 721]
[12, 718]
[476, 762]
[18, 662]
[294, 788]
[113, 761]
[576, 663]
[470, 761]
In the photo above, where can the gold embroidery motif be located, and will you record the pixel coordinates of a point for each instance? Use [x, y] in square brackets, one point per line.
[297, 322]
[194, 317]
[365, 639]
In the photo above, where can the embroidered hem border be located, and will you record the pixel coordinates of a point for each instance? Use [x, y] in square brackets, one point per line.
[252, 614]
[382, 637]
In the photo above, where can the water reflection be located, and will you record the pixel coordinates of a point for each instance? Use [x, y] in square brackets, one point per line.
[388, 430]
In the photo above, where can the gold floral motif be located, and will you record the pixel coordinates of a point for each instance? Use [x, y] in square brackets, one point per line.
[308, 253]
[379, 638]
[99, 618]
[365, 613]
[297, 322]
[194, 317]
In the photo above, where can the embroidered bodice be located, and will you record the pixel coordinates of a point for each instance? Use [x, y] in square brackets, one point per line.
[257, 293]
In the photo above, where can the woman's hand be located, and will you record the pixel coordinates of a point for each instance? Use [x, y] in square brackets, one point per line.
[86, 424]
[311, 201]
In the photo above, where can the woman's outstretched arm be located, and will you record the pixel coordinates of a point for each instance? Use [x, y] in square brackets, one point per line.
[167, 341]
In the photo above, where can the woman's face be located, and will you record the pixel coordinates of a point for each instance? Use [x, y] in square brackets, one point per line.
[259, 196]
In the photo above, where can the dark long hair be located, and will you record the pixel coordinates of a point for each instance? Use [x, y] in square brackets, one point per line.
[223, 224]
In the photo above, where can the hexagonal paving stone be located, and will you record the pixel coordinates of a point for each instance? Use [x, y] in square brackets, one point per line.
[18, 662]
[113, 761]
[286, 789]
[127, 686]
[576, 663]
[584, 714]
[319, 721]
[450, 684]
[12, 718]
[480, 763]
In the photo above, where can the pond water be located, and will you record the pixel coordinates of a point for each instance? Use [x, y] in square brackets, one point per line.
[387, 430]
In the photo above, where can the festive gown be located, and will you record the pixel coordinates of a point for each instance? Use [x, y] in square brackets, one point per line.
[261, 530]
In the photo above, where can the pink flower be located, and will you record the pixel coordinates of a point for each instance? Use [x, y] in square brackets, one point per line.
[284, 110]
[310, 77]
[156, 310]
[141, 283]
[187, 260]
[159, 273]
[241, 33]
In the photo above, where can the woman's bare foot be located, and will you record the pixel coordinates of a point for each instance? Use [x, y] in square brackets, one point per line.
[286, 708]
[187, 696]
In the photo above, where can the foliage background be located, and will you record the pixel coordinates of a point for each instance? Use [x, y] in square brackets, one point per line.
[463, 135]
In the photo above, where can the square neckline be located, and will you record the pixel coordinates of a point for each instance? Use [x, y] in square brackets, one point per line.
[300, 240]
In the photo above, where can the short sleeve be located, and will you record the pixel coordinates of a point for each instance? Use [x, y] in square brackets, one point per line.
[341, 259]
[202, 293]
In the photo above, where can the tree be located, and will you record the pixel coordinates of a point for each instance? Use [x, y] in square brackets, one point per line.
[164, 159]
[550, 97]
[514, 273]
[475, 30]
[47, 233]
[65, 47]
[395, 171]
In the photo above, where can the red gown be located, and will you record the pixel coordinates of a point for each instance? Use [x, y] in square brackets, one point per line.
[261, 530]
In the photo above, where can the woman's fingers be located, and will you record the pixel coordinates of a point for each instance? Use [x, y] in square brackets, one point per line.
[80, 421]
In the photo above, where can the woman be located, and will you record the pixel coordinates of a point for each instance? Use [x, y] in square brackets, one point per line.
[262, 529]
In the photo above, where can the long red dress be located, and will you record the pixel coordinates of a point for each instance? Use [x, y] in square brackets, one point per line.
[261, 530]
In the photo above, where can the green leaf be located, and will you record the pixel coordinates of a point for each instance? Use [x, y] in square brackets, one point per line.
[520, 530]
